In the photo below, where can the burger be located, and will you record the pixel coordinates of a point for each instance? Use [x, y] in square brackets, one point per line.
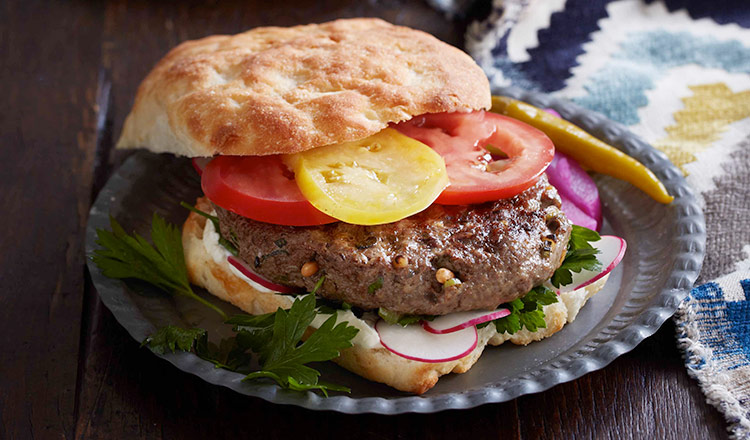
[357, 160]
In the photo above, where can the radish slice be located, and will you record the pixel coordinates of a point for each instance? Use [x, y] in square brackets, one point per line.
[460, 320]
[245, 269]
[574, 184]
[611, 249]
[199, 163]
[415, 343]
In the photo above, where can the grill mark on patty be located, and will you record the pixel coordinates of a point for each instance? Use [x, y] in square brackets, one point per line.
[499, 250]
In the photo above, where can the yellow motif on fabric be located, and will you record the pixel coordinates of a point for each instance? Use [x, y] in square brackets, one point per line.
[706, 115]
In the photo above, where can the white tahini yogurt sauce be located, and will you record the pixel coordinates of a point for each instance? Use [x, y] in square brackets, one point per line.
[367, 337]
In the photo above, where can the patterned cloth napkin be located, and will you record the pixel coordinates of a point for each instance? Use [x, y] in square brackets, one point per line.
[677, 73]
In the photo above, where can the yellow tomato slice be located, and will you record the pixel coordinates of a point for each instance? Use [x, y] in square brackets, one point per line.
[376, 180]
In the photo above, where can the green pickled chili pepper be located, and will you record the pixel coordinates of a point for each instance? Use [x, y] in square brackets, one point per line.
[586, 149]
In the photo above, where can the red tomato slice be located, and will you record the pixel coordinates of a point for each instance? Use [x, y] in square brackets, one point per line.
[260, 188]
[465, 140]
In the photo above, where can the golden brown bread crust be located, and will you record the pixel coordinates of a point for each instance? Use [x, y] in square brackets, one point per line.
[376, 364]
[284, 90]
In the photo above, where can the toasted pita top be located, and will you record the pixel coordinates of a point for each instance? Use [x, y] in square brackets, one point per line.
[284, 90]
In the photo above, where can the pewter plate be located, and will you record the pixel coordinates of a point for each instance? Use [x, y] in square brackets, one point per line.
[665, 252]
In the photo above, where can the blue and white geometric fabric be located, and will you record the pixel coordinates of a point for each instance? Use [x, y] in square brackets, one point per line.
[714, 331]
[677, 73]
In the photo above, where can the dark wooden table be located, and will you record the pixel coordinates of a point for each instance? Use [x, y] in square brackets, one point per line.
[67, 369]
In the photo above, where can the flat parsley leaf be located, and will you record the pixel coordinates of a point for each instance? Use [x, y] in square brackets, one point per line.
[533, 320]
[580, 255]
[511, 323]
[162, 264]
[329, 307]
[282, 353]
[580, 237]
[526, 311]
[228, 354]
[539, 295]
[251, 320]
[172, 338]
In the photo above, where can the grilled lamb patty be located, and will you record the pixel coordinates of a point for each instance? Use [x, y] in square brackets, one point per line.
[498, 250]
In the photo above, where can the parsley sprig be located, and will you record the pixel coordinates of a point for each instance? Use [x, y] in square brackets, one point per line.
[228, 354]
[580, 255]
[526, 311]
[275, 337]
[172, 338]
[277, 340]
[283, 357]
[162, 264]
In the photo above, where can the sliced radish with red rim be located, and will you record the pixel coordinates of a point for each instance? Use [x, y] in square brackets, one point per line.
[245, 269]
[460, 320]
[415, 343]
[611, 251]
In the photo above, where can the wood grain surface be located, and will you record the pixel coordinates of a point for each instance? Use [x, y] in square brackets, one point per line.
[69, 71]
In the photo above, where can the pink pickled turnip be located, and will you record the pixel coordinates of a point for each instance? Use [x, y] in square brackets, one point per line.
[459, 320]
[611, 251]
[415, 343]
[578, 188]
[577, 216]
